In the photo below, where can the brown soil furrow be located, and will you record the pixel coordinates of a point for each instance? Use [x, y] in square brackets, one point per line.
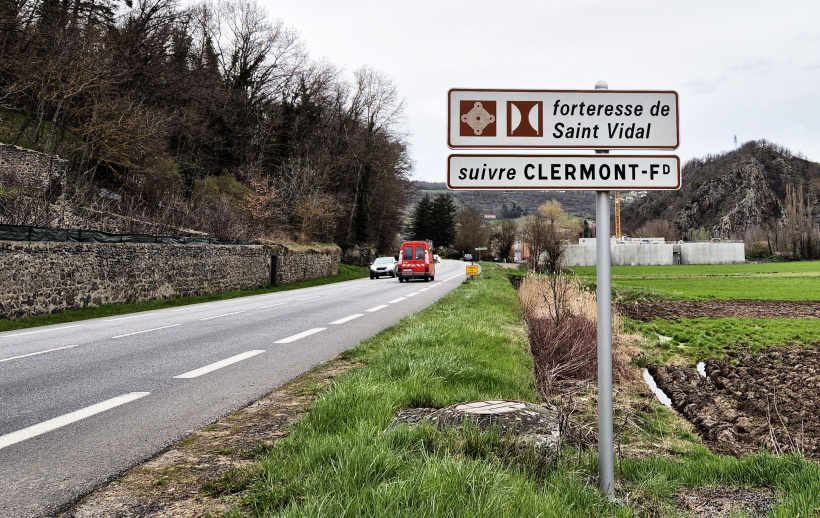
[677, 309]
[751, 402]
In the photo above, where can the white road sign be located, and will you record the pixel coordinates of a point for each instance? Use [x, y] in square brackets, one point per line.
[563, 119]
[564, 172]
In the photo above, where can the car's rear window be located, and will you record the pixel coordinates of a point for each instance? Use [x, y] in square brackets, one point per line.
[408, 253]
[419, 253]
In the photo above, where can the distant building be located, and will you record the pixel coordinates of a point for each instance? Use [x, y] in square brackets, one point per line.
[521, 252]
[656, 251]
[489, 216]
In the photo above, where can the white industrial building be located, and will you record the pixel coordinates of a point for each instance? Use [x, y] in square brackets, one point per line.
[655, 251]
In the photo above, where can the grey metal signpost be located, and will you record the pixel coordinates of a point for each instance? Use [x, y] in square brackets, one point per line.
[603, 264]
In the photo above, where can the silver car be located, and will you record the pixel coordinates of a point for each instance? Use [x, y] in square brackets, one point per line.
[383, 266]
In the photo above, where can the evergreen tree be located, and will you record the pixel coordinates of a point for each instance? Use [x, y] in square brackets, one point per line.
[444, 214]
[421, 219]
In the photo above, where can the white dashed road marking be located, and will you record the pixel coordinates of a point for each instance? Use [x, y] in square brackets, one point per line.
[145, 331]
[348, 319]
[35, 354]
[273, 305]
[40, 331]
[73, 417]
[300, 335]
[218, 365]
[223, 315]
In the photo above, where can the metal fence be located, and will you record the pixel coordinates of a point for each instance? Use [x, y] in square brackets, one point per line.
[27, 233]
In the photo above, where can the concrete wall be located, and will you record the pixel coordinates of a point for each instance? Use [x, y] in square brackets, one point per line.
[622, 255]
[660, 254]
[47, 277]
[712, 253]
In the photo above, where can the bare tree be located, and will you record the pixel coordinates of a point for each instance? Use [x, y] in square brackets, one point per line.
[657, 228]
[802, 234]
[256, 57]
[506, 235]
[472, 231]
[534, 235]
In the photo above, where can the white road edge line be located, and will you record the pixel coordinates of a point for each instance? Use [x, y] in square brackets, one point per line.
[218, 365]
[224, 315]
[272, 305]
[145, 331]
[126, 318]
[348, 319]
[413, 294]
[40, 331]
[423, 289]
[397, 300]
[35, 354]
[192, 306]
[300, 335]
[308, 298]
[67, 419]
[377, 308]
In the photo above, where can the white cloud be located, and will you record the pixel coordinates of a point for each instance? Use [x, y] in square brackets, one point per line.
[745, 68]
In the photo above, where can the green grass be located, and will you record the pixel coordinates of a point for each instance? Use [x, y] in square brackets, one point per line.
[702, 338]
[655, 480]
[11, 123]
[766, 281]
[346, 273]
[342, 461]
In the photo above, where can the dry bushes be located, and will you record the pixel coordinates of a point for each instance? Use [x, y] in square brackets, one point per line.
[561, 315]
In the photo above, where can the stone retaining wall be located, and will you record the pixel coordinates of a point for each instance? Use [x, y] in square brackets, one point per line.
[46, 277]
[21, 167]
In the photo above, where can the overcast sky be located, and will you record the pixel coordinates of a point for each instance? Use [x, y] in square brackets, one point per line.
[745, 68]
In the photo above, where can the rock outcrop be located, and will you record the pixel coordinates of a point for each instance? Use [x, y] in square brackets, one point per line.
[730, 193]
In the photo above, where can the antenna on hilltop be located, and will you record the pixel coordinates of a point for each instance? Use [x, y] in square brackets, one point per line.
[735, 142]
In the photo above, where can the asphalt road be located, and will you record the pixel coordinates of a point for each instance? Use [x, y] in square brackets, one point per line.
[81, 403]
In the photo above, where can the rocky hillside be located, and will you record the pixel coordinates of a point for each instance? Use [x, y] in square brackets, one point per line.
[730, 193]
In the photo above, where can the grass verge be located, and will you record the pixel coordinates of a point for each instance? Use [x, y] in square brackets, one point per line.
[346, 273]
[342, 460]
[339, 461]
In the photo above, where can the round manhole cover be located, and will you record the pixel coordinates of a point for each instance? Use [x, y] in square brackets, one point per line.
[490, 407]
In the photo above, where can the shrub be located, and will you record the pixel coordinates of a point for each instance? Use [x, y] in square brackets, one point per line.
[561, 314]
[562, 350]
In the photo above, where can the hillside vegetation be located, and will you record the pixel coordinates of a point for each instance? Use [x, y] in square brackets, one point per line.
[205, 116]
[579, 203]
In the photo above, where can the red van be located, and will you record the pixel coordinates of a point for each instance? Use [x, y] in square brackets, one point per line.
[416, 262]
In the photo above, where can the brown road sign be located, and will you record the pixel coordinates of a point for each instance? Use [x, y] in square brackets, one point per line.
[563, 119]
